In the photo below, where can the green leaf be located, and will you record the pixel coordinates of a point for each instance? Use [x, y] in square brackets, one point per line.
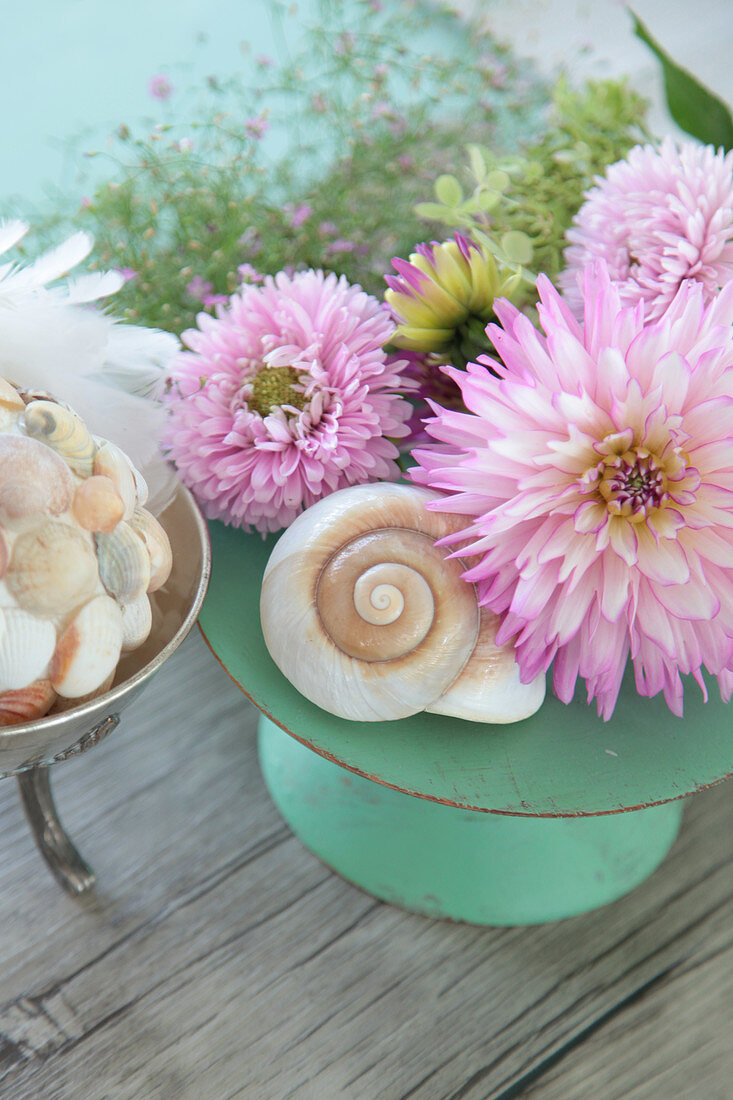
[489, 200]
[432, 210]
[517, 247]
[498, 181]
[478, 165]
[695, 109]
[448, 190]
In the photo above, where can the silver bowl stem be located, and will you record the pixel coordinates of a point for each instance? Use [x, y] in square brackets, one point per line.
[68, 868]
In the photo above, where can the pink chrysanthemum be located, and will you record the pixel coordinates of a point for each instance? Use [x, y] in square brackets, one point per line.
[596, 475]
[659, 217]
[284, 397]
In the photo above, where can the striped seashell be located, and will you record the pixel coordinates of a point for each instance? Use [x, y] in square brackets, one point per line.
[124, 563]
[52, 569]
[27, 704]
[63, 431]
[26, 648]
[4, 554]
[137, 621]
[33, 479]
[157, 544]
[11, 404]
[111, 462]
[97, 504]
[88, 650]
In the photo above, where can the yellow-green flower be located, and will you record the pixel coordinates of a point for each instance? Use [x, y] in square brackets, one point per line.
[443, 298]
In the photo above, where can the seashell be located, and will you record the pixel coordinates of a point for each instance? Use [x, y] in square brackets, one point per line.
[97, 504]
[64, 432]
[124, 563]
[26, 648]
[4, 554]
[61, 704]
[33, 479]
[111, 462]
[137, 621]
[88, 650]
[26, 704]
[52, 569]
[11, 404]
[158, 546]
[371, 621]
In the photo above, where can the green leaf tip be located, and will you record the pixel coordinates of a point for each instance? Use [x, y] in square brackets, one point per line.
[695, 109]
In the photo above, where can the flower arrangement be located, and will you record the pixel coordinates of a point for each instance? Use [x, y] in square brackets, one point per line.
[557, 347]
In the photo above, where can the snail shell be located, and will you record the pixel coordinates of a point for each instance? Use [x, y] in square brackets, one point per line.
[64, 432]
[371, 621]
[33, 479]
[88, 650]
[27, 704]
[52, 569]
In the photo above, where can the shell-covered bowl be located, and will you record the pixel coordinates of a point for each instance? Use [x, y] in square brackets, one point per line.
[176, 607]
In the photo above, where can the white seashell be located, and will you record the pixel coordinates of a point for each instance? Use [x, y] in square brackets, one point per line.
[88, 650]
[27, 704]
[97, 505]
[11, 405]
[371, 621]
[53, 569]
[33, 479]
[137, 621]
[111, 462]
[61, 704]
[64, 432]
[26, 648]
[124, 563]
[157, 544]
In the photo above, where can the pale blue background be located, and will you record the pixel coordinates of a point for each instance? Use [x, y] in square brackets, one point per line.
[72, 66]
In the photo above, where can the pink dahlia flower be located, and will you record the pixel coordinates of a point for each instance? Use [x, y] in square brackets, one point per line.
[284, 397]
[596, 477]
[658, 218]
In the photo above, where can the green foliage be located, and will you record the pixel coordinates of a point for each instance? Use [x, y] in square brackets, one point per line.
[362, 116]
[693, 106]
[521, 206]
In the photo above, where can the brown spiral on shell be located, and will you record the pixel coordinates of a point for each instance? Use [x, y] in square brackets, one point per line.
[370, 620]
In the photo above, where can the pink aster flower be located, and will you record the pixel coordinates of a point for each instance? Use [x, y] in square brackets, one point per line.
[596, 475]
[658, 218]
[285, 397]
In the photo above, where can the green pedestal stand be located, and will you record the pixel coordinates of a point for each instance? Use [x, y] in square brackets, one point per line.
[517, 824]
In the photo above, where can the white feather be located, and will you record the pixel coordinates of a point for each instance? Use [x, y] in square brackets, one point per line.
[50, 341]
[10, 233]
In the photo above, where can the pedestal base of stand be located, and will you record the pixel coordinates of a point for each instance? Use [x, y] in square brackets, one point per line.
[457, 864]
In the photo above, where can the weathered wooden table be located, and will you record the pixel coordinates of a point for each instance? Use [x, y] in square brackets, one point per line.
[220, 959]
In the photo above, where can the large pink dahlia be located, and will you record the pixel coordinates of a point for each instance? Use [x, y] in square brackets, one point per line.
[596, 477]
[284, 397]
[660, 216]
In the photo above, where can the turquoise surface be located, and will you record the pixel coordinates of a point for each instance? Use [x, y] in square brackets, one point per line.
[563, 761]
[450, 863]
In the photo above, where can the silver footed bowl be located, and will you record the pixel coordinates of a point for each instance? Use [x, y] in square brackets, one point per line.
[27, 750]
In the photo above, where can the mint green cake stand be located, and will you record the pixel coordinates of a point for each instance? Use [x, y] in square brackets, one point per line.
[499, 825]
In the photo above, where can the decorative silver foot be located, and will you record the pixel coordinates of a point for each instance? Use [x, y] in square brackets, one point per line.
[67, 866]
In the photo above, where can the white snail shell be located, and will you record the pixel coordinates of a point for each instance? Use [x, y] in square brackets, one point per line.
[371, 621]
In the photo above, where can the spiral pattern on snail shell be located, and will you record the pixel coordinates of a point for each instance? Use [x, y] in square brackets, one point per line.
[370, 620]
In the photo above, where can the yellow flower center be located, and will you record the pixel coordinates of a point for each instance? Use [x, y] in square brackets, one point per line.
[633, 484]
[274, 386]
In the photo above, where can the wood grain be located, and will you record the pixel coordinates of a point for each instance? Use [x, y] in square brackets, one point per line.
[221, 959]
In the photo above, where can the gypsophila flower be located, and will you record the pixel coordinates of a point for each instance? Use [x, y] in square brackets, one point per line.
[597, 476]
[256, 126]
[198, 287]
[160, 87]
[659, 217]
[285, 397]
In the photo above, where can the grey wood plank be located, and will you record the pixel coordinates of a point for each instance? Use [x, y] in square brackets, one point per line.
[222, 959]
